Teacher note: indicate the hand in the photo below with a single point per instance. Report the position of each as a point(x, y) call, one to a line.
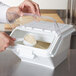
point(27, 6)
point(5, 41)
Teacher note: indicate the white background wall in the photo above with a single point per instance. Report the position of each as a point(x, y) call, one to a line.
point(44, 4)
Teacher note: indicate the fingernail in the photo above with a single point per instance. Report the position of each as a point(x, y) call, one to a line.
point(21, 14)
point(39, 14)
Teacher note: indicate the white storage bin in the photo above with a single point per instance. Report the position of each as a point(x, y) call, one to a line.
point(56, 35)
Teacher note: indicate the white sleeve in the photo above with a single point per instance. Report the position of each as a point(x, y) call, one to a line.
point(3, 10)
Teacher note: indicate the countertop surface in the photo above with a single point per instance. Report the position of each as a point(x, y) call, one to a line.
point(11, 65)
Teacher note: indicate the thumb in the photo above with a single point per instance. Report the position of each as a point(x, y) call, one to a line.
point(20, 12)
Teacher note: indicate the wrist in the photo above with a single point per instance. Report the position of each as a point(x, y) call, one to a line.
point(12, 14)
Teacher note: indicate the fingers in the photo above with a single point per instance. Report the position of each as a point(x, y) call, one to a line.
point(5, 41)
point(8, 39)
point(8, 43)
point(11, 41)
point(4, 48)
point(6, 35)
point(37, 10)
point(30, 7)
point(14, 39)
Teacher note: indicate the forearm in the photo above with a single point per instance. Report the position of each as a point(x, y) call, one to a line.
point(8, 14)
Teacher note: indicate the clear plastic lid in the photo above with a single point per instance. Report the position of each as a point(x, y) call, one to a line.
point(44, 25)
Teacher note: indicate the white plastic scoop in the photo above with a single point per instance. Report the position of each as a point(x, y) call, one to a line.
point(28, 40)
